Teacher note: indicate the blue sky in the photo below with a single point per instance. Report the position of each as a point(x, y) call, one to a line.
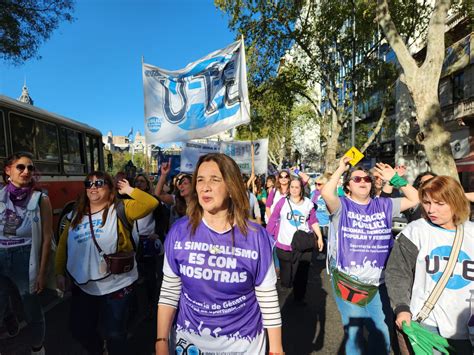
point(90, 69)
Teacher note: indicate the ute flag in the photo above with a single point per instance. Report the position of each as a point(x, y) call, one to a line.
point(207, 97)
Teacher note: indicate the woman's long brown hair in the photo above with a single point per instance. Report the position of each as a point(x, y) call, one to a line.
point(82, 204)
point(238, 210)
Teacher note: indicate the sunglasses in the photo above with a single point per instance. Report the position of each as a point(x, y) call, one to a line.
point(184, 177)
point(98, 183)
point(284, 176)
point(358, 179)
point(319, 184)
point(22, 167)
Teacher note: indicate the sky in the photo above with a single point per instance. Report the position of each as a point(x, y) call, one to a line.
point(90, 69)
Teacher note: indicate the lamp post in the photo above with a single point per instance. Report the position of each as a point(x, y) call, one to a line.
point(354, 88)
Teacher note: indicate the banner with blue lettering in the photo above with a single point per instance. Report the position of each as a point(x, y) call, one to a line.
point(207, 97)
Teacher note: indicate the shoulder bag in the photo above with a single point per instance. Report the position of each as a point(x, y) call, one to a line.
point(302, 241)
point(117, 263)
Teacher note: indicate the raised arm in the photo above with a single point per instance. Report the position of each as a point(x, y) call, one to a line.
point(411, 194)
point(329, 191)
point(163, 196)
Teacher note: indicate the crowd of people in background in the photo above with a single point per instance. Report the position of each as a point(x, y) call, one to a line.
point(214, 248)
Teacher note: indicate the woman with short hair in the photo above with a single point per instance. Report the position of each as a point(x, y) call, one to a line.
point(419, 257)
point(358, 249)
point(25, 241)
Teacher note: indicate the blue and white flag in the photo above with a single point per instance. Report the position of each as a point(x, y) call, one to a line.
point(207, 97)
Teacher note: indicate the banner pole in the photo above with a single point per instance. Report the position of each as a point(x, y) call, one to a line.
point(252, 151)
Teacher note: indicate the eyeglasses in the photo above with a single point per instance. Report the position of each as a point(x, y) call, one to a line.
point(22, 167)
point(98, 183)
point(358, 179)
point(283, 176)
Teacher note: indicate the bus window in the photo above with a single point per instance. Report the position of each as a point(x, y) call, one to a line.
point(96, 154)
point(89, 153)
point(72, 149)
point(92, 149)
point(47, 142)
point(3, 140)
point(22, 130)
point(47, 149)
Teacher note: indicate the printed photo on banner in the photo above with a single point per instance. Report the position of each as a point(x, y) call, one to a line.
point(207, 97)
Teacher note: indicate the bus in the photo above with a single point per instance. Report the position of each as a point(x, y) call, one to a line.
point(64, 151)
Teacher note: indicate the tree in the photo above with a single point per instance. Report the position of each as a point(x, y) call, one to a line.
point(273, 116)
point(422, 81)
point(320, 38)
point(26, 24)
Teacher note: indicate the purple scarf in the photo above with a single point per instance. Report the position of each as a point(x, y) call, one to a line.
point(19, 195)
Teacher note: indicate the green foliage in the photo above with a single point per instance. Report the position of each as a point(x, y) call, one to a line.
point(294, 46)
point(121, 159)
point(26, 24)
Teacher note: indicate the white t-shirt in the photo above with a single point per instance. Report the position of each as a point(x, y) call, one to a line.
point(452, 311)
point(84, 262)
point(290, 221)
point(15, 219)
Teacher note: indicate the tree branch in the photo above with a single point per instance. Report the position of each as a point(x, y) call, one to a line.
point(376, 131)
point(435, 40)
point(394, 39)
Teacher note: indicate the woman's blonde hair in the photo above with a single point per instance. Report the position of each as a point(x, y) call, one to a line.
point(447, 190)
point(239, 206)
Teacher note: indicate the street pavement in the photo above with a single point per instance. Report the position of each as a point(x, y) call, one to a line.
point(313, 327)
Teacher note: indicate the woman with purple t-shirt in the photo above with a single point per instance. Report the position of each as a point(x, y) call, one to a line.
point(218, 272)
point(358, 248)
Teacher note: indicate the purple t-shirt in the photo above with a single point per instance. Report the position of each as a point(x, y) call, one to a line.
point(364, 237)
point(218, 309)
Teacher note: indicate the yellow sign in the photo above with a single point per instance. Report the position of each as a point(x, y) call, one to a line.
point(355, 155)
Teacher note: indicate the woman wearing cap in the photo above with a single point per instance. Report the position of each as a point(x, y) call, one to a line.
point(99, 227)
point(219, 280)
point(25, 241)
point(419, 257)
point(358, 249)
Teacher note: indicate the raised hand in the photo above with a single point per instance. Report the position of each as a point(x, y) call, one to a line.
point(385, 170)
point(166, 167)
point(123, 187)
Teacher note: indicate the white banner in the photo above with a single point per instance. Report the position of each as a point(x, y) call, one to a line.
point(240, 152)
point(207, 97)
point(191, 153)
point(460, 143)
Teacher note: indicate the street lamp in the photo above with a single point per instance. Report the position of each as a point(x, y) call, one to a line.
point(354, 88)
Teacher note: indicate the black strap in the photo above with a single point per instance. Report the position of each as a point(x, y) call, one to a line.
point(101, 252)
point(120, 210)
point(292, 213)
